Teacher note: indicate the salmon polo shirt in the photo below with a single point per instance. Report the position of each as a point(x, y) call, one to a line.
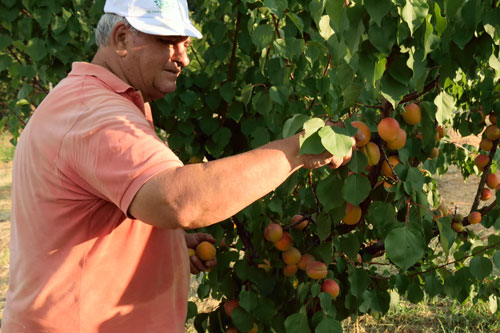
point(78, 263)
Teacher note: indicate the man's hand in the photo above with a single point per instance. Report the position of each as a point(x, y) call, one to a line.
point(192, 241)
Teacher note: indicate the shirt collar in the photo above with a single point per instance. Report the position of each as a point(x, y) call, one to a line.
point(103, 74)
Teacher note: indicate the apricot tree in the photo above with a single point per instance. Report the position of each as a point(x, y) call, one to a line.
point(397, 73)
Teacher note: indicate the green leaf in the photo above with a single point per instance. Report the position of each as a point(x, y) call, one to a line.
point(393, 90)
point(359, 281)
point(329, 325)
point(480, 267)
point(356, 189)
point(404, 247)
point(328, 192)
point(446, 234)
point(414, 13)
point(350, 245)
point(496, 258)
point(383, 37)
point(352, 93)
point(334, 9)
point(246, 93)
point(297, 323)
point(494, 63)
point(192, 310)
point(316, 9)
point(262, 36)
point(5, 41)
point(296, 20)
point(325, 30)
point(294, 124)
point(445, 106)
point(378, 9)
point(441, 22)
point(323, 226)
point(36, 49)
point(311, 145)
point(227, 92)
point(383, 217)
point(276, 7)
point(451, 7)
point(358, 162)
point(242, 319)
point(336, 140)
point(248, 300)
point(415, 293)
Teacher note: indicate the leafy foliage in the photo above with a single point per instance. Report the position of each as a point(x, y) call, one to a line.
point(268, 69)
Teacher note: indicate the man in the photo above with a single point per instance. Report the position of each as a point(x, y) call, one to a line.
point(100, 203)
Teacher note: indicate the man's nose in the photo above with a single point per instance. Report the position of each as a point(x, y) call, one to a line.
point(180, 55)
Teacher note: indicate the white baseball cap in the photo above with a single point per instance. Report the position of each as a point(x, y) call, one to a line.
point(155, 17)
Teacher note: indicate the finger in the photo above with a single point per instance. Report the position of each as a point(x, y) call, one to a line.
point(211, 263)
point(193, 269)
point(198, 263)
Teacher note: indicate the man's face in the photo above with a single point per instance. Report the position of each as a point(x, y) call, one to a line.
point(153, 63)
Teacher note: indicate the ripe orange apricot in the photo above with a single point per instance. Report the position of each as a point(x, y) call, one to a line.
point(486, 194)
point(297, 218)
point(474, 217)
point(386, 170)
point(230, 305)
point(485, 144)
point(363, 134)
point(331, 286)
point(205, 251)
point(492, 180)
point(291, 256)
point(399, 142)
point(492, 132)
point(305, 260)
point(273, 232)
point(254, 329)
point(412, 114)
point(457, 226)
point(191, 252)
point(434, 153)
point(439, 132)
point(492, 117)
point(316, 270)
point(284, 243)
point(388, 129)
point(290, 270)
point(352, 214)
point(372, 152)
point(481, 160)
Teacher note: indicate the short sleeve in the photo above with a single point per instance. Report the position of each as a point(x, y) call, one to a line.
point(112, 153)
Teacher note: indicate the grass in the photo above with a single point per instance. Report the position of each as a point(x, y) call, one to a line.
point(431, 315)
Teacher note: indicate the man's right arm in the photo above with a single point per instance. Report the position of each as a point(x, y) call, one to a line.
point(198, 195)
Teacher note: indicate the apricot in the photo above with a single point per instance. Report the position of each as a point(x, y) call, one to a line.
point(284, 243)
point(205, 251)
point(363, 135)
point(273, 232)
point(305, 260)
point(232, 329)
point(316, 270)
point(485, 144)
point(439, 132)
point(457, 226)
point(352, 214)
point(399, 142)
point(297, 218)
point(254, 329)
point(195, 159)
point(388, 129)
point(492, 132)
point(191, 252)
point(386, 170)
point(331, 286)
point(486, 194)
point(412, 114)
point(474, 217)
point(493, 118)
point(434, 153)
point(372, 152)
point(492, 180)
point(291, 256)
point(481, 161)
point(290, 270)
point(230, 305)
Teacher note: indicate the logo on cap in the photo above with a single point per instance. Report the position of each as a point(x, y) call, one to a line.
point(164, 4)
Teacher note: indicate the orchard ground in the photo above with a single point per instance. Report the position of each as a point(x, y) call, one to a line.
point(432, 315)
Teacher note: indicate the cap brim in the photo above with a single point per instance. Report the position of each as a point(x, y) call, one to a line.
point(153, 26)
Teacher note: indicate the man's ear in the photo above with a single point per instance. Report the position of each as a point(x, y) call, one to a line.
point(119, 38)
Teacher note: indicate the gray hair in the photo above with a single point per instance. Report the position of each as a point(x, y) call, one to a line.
point(105, 26)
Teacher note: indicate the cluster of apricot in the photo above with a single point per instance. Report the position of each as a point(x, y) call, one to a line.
point(490, 134)
point(294, 259)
